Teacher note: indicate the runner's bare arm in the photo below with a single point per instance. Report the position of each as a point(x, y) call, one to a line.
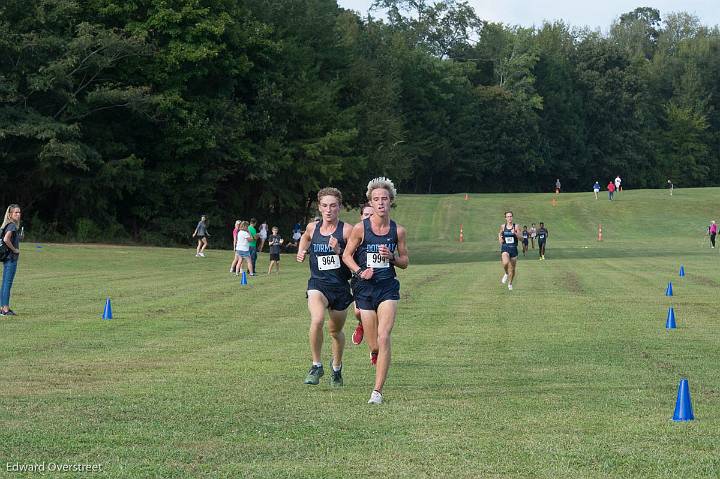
point(305, 240)
point(354, 240)
point(347, 231)
point(402, 260)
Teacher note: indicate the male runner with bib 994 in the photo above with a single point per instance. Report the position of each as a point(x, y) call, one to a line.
point(328, 286)
point(508, 237)
point(376, 246)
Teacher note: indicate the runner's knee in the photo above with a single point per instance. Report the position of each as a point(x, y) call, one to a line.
point(383, 340)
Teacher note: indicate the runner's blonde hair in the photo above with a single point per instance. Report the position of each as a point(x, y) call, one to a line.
point(381, 182)
point(8, 218)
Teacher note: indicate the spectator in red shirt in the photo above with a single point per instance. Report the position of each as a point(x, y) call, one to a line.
point(611, 190)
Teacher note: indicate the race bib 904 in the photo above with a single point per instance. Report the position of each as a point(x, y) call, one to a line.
point(375, 260)
point(330, 261)
point(509, 240)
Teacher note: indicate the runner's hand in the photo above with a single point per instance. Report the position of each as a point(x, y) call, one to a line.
point(333, 243)
point(300, 256)
point(367, 274)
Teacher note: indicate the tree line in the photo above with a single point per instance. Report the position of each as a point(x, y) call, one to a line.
point(127, 120)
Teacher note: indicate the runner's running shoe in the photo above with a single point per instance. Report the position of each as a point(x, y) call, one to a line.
point(336, 379)
point(357, 335)
point(314, 375)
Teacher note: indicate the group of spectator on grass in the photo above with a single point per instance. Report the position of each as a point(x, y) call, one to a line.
point(248, 241)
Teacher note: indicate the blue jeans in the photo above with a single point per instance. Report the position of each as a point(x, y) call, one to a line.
point(253, 255)
point(9, 268)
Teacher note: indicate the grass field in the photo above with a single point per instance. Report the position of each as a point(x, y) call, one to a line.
point(572, 374)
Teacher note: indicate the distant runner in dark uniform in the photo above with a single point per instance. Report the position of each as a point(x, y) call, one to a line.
point(379, 244)
point(542, 239)
point(525, 236)
point(328, 287)
point(508, 237)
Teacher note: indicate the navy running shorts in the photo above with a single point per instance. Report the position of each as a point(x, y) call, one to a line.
point(338, 297)
point(369, 295)
point(511, 250)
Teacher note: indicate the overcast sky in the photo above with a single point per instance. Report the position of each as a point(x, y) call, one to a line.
point(597, 13)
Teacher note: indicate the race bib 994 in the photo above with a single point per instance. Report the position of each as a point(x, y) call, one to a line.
point(375, 260)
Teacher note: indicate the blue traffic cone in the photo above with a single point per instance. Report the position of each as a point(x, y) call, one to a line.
point(243, 278)
point(682, 271)
point(668, 291)
point(37, 246)
point(670, 323)
point(107, 313)
point(683, 405)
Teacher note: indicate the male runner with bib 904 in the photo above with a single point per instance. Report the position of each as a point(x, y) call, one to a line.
point(328, 286)
point(375, 247)
point(542, 239)
point(508, 237)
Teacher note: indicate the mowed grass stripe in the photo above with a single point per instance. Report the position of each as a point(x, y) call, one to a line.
point(570, 375)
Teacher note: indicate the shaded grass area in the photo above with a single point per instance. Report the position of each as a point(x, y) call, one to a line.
point(570, 375)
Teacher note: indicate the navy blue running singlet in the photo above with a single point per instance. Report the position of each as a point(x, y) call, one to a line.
point(325, 265)
point(509, 238)
point(368, 253)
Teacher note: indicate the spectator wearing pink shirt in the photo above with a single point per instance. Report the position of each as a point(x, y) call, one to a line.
point(235, 257)
point(712, 231)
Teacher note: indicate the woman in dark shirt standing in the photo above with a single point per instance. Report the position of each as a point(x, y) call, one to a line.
point(11, 237)
point(201, 233)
